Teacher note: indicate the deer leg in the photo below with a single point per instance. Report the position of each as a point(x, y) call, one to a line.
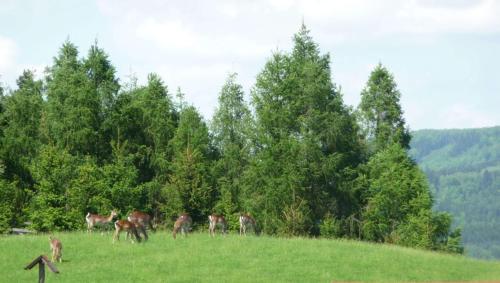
point(184, 231)
point(136, 234)
point(116, 236)
point(143, 231)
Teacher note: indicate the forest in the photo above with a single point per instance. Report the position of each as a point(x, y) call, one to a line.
point(295, 156)
point(464, 174)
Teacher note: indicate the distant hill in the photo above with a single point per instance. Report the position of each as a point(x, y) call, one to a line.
point(463, 167)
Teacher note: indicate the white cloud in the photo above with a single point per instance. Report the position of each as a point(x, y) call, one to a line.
point(8, 52)
point(194, 44)
point(179, 37)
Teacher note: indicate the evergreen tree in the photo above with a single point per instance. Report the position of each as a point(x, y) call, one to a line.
point(160, 119)
point(121, 189)
point(399, 204)
point(231, 127)
point(54, 171)
point(73, 106)
point(190, 187)
point(305, 139)
point(21, 138)
point(104, 84)
point(7, 203)
point(145, 117)
point(380, 112)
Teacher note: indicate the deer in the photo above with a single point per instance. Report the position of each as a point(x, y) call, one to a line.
point(142, 218)
point(96, 219)
point(214, 220)
point(125, 225)
point(56, 247)
point(247, 221)
point(183, 223)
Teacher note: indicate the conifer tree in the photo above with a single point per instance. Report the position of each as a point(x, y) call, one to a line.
point(399, 205)
point(103, 82)
point(21, 139)
point(73, 106)
point(231, 128)
point(380, 112)
point(190, 187)
point(306, 138)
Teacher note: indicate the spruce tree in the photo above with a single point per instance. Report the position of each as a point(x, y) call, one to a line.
point(231, 128)
point(73, 106)
point(103, 82)
point(190, 187)
point(21, 121)
point(306, 139)
point(380, 112)
point(399, 205)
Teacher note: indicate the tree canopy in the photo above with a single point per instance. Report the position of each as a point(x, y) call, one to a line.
point(296, 157)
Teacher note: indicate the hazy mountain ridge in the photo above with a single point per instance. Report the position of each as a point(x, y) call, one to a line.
point(463, 167)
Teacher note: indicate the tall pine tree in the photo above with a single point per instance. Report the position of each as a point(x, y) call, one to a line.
point(21, 139)
point(306, 139)
point(380, 112)
point(73, 105)
point(231, 128)
point(190, 186)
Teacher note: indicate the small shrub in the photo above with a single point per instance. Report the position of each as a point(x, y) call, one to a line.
point(330, 227)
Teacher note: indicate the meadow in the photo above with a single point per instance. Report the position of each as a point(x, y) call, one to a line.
point(233, 258)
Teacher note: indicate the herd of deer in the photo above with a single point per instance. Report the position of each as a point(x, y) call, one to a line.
point(137, 222)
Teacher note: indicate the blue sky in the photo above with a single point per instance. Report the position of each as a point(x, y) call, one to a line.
point(445, 55)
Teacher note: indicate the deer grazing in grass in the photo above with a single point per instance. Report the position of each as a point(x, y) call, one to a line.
point(98, 220)
point(141, 220)
point(129, 227)
point(214, 220)
point(56, 247)
point(247, 221)
point(183, 223)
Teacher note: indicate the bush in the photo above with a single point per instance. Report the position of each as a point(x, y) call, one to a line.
point(330, 227)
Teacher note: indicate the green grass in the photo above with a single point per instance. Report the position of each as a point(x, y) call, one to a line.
point(199, 258)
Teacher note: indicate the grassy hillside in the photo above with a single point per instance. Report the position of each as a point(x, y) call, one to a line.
point(92, 258)
point(463, 167)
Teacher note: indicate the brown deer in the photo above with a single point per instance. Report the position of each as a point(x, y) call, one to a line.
point(214, 220)
point(141, 229)
point(56, 247)
point(142, 218)
point(247, 221)
point(129, 227)
point(183, 223)
point(96, 219)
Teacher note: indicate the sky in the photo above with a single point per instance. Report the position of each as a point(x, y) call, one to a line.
point(444, 55)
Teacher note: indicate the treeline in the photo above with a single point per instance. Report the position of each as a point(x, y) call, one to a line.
point(297, 158)
point(463, 167)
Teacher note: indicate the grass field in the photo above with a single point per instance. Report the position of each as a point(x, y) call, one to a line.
point(199, 258)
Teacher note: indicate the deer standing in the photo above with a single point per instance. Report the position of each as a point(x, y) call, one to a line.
point(56, 247)
point(183, 223)
point(214, 220)
point(96, 219)
point(246, 221)
point(129, 227)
